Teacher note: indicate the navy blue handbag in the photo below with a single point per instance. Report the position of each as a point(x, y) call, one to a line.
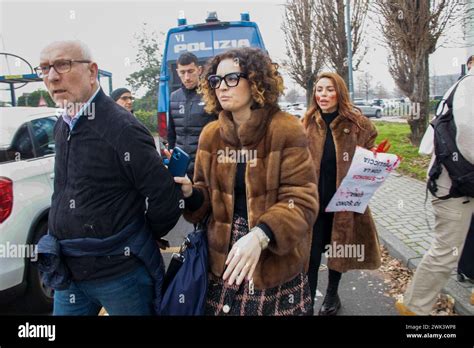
point(185, 282)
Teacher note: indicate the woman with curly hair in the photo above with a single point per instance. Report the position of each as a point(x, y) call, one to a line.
point(255, 178)
point(334, 128)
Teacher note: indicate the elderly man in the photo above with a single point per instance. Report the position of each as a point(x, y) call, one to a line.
point(112, 196)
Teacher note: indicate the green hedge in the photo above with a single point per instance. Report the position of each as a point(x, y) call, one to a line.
point(148, 118)
point(433, 105)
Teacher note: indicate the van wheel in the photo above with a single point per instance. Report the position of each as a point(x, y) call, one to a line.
point(38, 297)
point(378, 114)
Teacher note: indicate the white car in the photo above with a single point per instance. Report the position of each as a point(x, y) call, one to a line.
point(369, 110)
point(26, 187)
point(284, 105)
point(297, 109)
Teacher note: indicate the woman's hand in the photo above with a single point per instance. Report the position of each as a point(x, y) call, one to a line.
point(243, 258)
point(186, 185)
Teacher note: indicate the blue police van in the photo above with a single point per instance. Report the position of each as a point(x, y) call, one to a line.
point(205, 40)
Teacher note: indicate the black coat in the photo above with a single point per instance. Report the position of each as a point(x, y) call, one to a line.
point(187, 118)
point(104, 173)
point(105, 169)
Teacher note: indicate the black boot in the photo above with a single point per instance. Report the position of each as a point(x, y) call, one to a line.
point(331, 304)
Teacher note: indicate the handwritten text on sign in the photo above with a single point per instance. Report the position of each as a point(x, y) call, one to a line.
point(366, 173)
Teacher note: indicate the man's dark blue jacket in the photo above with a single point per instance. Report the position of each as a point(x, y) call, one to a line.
point(106, 169)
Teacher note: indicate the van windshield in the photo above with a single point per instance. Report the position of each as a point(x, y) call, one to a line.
point(206, 43)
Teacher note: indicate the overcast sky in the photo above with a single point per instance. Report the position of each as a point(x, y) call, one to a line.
point(108, 27)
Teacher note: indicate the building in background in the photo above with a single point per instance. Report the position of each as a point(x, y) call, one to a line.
point(439, 84)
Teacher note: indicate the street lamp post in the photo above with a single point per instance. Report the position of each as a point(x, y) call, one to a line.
point(349, 48)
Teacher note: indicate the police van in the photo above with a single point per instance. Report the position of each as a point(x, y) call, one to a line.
point(205, 40)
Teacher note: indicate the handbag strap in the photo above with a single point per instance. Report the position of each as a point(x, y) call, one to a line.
point(203, 223)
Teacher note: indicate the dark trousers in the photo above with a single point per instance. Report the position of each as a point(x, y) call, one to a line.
point(321, 237)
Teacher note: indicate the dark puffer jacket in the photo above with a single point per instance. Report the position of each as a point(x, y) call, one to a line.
point(186, 121)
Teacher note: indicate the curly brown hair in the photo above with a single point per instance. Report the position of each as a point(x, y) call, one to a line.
point(266, 83)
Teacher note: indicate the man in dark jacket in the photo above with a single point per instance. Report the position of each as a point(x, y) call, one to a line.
point(187, 117)
point(108, 177)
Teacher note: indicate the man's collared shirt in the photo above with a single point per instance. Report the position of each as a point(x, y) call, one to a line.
point(72, 121)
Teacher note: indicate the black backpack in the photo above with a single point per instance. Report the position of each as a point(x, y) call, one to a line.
point(447, 153)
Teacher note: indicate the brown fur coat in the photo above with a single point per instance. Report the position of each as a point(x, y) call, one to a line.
point(281, 191)
point(349, 228)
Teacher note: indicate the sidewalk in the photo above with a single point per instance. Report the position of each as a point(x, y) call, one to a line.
point(402, 223)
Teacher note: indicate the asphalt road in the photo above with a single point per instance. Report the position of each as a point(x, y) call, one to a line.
point(361, 292)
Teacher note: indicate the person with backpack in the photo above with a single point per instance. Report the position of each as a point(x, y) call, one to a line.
point(451, 183)
point(469, 62)
point(466, 261)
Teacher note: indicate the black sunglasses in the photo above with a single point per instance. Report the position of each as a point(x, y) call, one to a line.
point(231, 79)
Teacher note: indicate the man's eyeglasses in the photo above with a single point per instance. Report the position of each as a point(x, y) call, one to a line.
point(231, 79)
point(126, 97)
point(61, 66)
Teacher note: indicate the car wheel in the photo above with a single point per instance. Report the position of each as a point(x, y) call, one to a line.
point(38, 296)
point(378, 114)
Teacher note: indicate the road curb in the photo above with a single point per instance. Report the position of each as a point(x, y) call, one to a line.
point(461, 292)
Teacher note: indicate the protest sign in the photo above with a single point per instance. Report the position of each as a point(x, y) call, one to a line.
point(366, 173)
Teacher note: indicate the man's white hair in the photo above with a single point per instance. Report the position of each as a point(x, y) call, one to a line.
point(86, 53)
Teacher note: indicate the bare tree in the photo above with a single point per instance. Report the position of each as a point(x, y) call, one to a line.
point(292, 96)
point(380, 90)
point(331, 26)
point(305, 58)
point(365, 85)
point(411, 29)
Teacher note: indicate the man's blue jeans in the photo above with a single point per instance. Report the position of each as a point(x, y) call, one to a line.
point(129, 294)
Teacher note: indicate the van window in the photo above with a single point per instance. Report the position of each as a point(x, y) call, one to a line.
point(175, 81)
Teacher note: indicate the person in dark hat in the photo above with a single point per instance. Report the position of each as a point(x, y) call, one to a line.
point(123, 97)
